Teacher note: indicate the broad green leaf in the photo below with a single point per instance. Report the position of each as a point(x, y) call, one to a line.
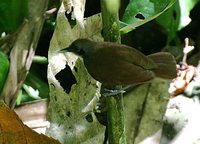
point(4, 68)
point(12, 14)
point(31, 91)
point(176, 17)
point(185, 8)
point(139, 12)
point(35, 80)
point(170, 21)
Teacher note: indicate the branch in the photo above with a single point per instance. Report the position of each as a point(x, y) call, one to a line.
point(115, 113)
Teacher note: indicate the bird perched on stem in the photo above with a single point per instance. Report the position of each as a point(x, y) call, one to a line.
point(117, 64)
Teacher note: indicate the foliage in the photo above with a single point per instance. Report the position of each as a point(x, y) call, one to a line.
point(12, 14)
point(139, 12)
point(177, 17)
point(172, 17)
point(4, 67)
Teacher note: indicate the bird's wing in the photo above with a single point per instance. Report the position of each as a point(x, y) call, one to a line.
point(119, 65)
point(125, 53)
point(116, 71)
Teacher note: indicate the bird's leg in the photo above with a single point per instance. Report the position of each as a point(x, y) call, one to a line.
point(110, 91)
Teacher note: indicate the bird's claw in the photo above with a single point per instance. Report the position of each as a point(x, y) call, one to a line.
point(109, 92)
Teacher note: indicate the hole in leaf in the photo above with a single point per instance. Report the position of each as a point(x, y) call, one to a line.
point(102, 118)
point(140, 16)
point(75, 69)
point(89, 118)
point(66, 78)
point(69, 17)
point(68, 113)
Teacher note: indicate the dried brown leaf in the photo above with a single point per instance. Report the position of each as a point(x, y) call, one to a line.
point(13, 131)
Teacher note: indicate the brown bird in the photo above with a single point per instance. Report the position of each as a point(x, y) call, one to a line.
point(117, 64)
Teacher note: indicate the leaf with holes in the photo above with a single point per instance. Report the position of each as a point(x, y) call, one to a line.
point(139, 12)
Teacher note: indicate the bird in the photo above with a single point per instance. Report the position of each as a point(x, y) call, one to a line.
point(118, 64)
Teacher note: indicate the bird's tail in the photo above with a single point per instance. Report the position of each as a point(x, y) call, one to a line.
point(166, 65)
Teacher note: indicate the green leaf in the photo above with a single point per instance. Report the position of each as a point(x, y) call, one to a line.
point(31, 91)
point(185, 8)
point(12, 14)
point(4, 68)
point(35, 80)
point(176, 17)
point(139, 12)
point(170, 21)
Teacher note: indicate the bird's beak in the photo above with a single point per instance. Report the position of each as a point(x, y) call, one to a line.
point(68, 49)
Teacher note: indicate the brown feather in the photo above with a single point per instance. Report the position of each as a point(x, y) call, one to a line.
point(116, 64)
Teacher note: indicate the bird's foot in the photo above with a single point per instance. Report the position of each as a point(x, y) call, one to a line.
point(109, 92)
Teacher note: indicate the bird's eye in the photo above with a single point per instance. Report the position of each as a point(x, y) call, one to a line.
point(81, 52)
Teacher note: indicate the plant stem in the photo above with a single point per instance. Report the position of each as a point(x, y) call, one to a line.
point(115, 112)
point(40, 59)
point(110, 24)
point(115, 118)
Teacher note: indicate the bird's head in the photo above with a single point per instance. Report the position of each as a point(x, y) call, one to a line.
point(80, 47)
